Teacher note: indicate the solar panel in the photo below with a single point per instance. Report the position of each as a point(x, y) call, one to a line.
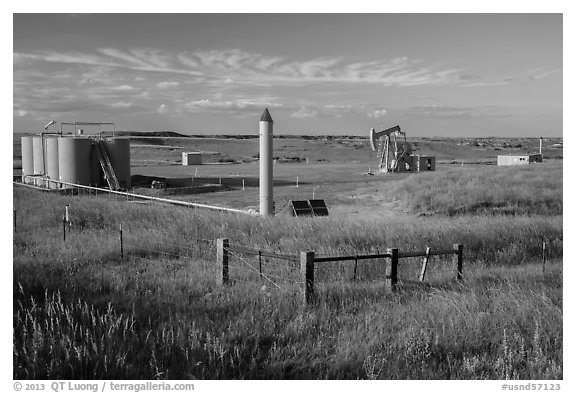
point(301, 208)
point(318, 207)
point(313, 207)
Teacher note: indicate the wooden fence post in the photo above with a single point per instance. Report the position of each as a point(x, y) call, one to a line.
point(15, 227)
point(543, 255)
point(458, 260)
point(222, 259)
point(260, 263)
point(307, 274)
point(425, 264)
point(355, 267)
point(64, 227)
point(391, 280)
point(121, 243)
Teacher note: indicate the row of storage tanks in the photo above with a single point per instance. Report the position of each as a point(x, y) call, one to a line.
point(72, 160)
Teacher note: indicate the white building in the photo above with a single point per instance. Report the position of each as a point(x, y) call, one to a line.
point(519, 160)
point(192, 158)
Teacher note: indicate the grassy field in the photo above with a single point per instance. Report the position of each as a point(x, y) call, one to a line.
point(167, 152)
point(82, 312)
point(529, 190)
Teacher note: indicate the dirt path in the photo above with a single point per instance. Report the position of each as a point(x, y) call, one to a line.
point(368, 204)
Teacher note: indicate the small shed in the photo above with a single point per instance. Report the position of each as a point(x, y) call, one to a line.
point(192, 158)
point(424, 163)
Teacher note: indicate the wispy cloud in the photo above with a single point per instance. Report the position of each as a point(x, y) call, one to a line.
point(487, 84)
point(237, 106)
point(167, 84)
point(454, 112)
point(121, 104)
point(231, 82)
point(543, 73)
point(305, 112)
point(245, 106)
point(245, 67)
point(338, 111)
point(378, 113)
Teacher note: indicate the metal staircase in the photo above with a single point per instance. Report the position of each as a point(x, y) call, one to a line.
point(106, 165)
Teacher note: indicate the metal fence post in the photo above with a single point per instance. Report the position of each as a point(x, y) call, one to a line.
point(307, 274)
point(425, 264)
point(458, 260)
point(391, 280)
point(222, 259)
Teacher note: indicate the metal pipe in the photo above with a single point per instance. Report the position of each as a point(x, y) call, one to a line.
point(164, 200)
point(88, 123)
point(43, 154)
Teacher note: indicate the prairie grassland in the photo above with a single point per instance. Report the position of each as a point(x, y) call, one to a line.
point(138, 320)
point(531, 190)
point(82, 312)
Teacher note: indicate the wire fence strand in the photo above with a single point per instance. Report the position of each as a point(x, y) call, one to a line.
point(176, 245)
point(253, 268)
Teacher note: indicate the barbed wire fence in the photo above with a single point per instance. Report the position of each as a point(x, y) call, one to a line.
point(265, 268)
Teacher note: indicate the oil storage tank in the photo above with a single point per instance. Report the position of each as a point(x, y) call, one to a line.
point(119, 152)
point(52, 157)
point(38, 151)
point(27, 158)
point(75, 161)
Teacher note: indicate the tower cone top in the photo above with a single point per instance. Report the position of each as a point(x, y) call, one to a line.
point(266, 116)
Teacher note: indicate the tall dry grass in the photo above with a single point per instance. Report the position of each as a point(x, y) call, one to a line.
point(504, 323)
point(498, 239)
point(81, 311)
point(523, 190)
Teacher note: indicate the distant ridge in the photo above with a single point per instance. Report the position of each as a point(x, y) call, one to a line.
point(160, 134)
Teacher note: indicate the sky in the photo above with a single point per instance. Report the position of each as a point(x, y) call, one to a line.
point(433, 74)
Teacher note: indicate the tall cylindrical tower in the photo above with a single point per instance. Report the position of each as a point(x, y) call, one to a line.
point(266, 170)
point(38, 150)
point(51, 159)
point(540, 151)
point(119, 152)
point(75, 161)
point(27, 158)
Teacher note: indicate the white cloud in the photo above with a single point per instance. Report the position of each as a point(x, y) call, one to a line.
point(167, 84)
point(543, 73)
point(338, 111)
point(378, 113)
point(304, 112)
point(122, 104)
point(20, 113)
point(122, 88)
point(488, 83)
point(229, 105)
point(163, 109)
point(456, 112)
point(245, 67)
